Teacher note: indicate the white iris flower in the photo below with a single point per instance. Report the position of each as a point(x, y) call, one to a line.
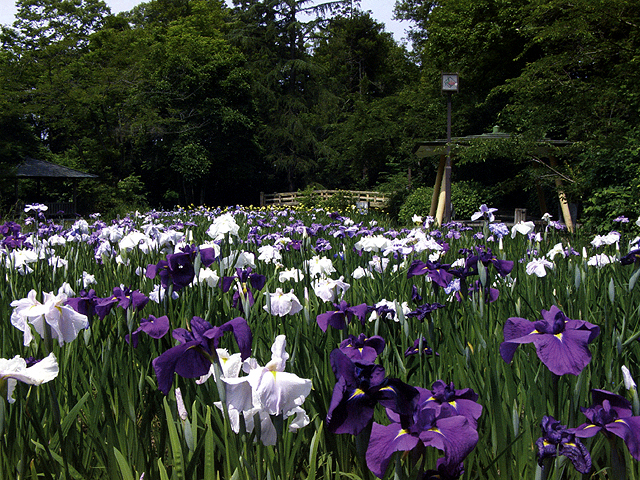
point(16, 369)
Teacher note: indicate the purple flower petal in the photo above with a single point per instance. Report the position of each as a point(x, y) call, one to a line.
point(561, 343)
point(454, 435)
point(155, 327)
point(166, 364)
point(241, 331)
point(384, 441)
point(628, 429)
point(335, 318)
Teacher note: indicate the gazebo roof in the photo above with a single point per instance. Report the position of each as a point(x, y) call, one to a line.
point(438, 147)
point(33, 168)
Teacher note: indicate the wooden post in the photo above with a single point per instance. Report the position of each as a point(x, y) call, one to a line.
point(442, 200)
point(262, 199)
point(566, 213)
point(437, 187)
point(520, 215)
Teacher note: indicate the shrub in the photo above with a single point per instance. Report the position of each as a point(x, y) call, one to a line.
point(608, 203)
point(465, 197)
point(128, 195)
point(340, 200)
point(417, 203)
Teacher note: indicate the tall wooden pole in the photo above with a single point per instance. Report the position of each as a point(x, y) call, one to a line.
point(435, 198)
point(447, 167)
point(562, 198)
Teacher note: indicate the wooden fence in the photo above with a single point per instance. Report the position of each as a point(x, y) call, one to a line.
point(64, 209)
point(372, 199)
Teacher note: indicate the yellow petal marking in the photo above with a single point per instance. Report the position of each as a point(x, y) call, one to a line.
point(357, 392)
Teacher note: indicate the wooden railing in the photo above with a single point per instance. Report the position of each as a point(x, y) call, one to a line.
point(69, 208)
point(372, 199)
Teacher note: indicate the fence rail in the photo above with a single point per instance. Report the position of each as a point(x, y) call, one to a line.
point(67, 209)
point(373, 199)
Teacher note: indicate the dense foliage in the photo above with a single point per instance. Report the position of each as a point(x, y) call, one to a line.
point(194, 101)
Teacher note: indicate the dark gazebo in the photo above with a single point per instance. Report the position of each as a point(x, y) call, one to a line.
point(39, 169)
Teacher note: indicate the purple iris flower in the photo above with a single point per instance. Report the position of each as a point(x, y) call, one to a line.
point(559, 440)
point(632, 257)
point(264, 224)
point(194, 355)
point(485, 212)
point(124, 298)
point(462, 273)
point(245, 278)
point(362, 349)
point(561, 343)
point(154, 327)
point(444, 471)
point(384, 311)
point(415, 349)
point(462, 402)
point(15, 241)
point(322, 245)
point(358, 389)
point(353, 400)
point(342, 315)
point(611, 414)
point(85, 304)
point(176, 270)
point(490, 294)
point(499, 229)
point(424, 427)
point(104, 306)
point(208, 256)
point(438, 273)
point(415, 295)
point(424, 311)
point(486, 256)
point(293, 245)
point(10, 228)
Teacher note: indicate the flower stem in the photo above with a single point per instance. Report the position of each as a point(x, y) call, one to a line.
point(618, 466)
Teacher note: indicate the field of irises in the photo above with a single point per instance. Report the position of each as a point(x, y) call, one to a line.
point(246, 343)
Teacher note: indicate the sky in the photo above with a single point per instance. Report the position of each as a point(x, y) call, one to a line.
point(381, 10)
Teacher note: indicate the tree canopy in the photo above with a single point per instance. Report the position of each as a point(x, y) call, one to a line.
point(194, 101)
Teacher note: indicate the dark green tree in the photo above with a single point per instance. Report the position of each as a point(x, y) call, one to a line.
point(195, 108)
point(276, 43)
point(582, 84)
point(480, 40)
point(360, 115)
point(137, 88)
point(51, 83)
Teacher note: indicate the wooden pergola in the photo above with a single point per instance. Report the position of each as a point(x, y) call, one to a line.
point(438, 148)
point(41, 169)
